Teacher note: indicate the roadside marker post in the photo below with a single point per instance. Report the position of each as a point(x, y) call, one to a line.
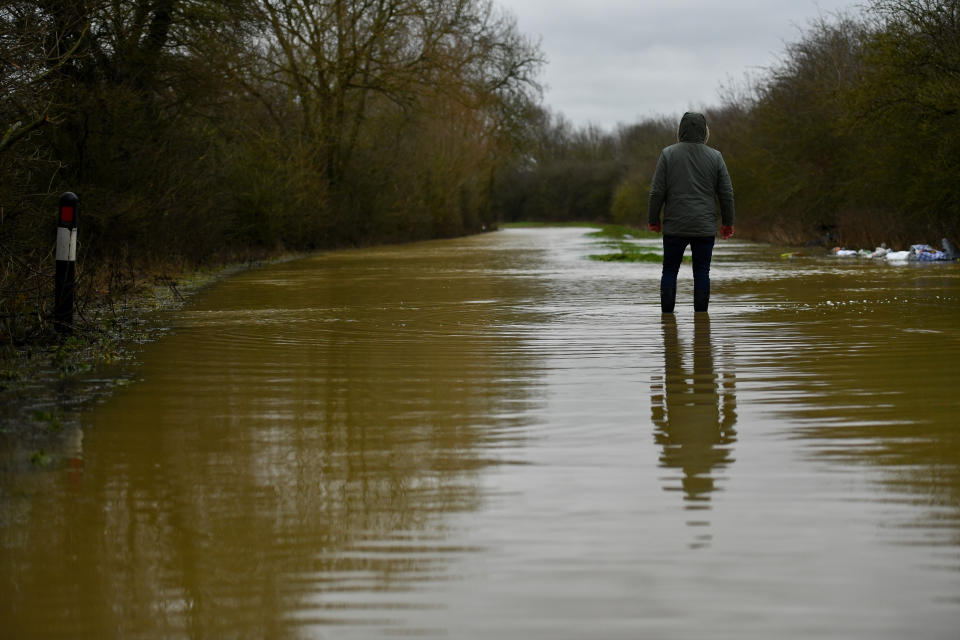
point(64, 284)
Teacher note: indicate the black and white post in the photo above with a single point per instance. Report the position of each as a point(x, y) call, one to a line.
point(64, 286)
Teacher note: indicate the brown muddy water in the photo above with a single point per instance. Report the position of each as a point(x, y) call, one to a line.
point(497, 437)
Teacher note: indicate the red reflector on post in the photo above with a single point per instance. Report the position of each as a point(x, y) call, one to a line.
point(66, 214)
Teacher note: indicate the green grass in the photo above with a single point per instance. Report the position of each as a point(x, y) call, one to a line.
point(617, 240)
point(625, 256)
point(41, 458)
point(621, 232)
point(615, 237)
point(632, 253)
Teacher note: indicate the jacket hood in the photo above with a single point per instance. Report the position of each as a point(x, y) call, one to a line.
point(693, 128)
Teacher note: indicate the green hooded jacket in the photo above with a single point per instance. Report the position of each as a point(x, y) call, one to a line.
point(691, 178)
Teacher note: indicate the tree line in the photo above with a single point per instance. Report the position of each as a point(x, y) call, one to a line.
point(204, 130)
point(199, 130)
point(852, 138)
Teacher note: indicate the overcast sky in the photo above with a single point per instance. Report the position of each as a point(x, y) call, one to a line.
point(618, 61)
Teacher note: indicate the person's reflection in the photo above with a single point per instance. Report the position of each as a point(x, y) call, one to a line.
point(694, 412)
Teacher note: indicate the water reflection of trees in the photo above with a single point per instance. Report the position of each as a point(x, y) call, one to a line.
point(872, 382)
point(694, 410)
point(272, 466)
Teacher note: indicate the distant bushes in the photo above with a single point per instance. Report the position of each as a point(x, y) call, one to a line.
point(856, 135)
point(585, 175)
point(854, 138)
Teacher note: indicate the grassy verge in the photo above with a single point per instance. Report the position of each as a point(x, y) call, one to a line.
point(628, 254)
point(618, 239)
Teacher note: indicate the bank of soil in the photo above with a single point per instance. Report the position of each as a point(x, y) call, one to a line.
point(43, 388)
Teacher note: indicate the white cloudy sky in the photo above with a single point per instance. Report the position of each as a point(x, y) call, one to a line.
point(617, 61)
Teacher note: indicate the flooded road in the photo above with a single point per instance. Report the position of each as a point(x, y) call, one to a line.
point(497, 437)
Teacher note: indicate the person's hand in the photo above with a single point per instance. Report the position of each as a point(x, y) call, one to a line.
point(655, 227)
point(726, 232)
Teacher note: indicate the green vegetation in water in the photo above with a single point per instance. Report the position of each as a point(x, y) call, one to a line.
point(632, 253)
point(49, 419)
point(628, 256)
point(618, 238)
point(40, 458)
point(621, 232)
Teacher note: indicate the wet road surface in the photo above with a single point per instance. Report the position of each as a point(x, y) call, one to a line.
point(497, 437)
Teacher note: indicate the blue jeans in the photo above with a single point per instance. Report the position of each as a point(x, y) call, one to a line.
point(673, 248)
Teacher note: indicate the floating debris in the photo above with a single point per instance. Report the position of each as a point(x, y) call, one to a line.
point(917, 253)
point(897, 256)
point(845, 253)
point(926, 253)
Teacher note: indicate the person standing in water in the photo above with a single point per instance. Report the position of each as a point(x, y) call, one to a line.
point(690, 179)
